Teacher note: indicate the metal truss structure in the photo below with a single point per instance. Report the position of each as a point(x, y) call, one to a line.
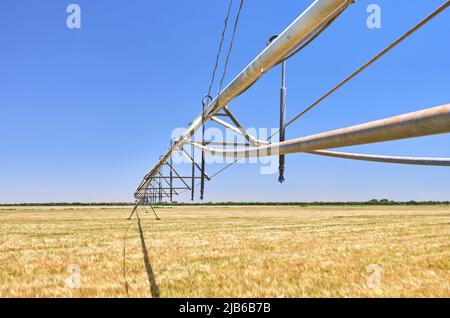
point(158, 184)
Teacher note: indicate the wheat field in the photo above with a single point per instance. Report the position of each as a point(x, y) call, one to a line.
point(258, 251)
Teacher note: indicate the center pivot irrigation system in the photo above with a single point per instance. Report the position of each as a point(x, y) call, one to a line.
point(157, 186)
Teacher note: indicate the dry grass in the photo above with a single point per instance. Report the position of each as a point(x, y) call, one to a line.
point(226, 251)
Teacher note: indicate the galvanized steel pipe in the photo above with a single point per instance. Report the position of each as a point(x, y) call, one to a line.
point(420, 161)
point(421, 123)
point(308, 23)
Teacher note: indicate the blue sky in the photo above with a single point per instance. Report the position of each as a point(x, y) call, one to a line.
point(84, 113)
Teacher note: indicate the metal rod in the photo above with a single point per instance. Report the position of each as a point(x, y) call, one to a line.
point(227, 125)
point(202, 179)
point(186, 154)
point(160, 176)
point(163, 195)
point(193, 172)
point(166, 194)
point(160, 190)
point(159, 185)
point(421, 123)
point(373, 60)
point(171, 174)
point(205, 101)
point(154, 212)
point(282, 120)
point(237, 129)
point(239, 126)
point(176, 173)
point(420, 161)
point(174, 177)
point(309, 22)
point(134, 208)
point(218, 143)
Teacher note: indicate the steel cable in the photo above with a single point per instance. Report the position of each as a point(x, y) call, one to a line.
point(354, 74)
point(227, 17)
point(370, 62)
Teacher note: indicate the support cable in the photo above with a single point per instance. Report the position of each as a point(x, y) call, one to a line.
point(300, 48)
point(208, 97)
point(420, 161)
point(220, 47)
point(365, 66)
point(370, 62)
point(362, 68)
point(230, 48)
point(288, 43)
point(193, 173)
point(205, 102)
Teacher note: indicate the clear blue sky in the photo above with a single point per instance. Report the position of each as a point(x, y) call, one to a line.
point(84, 112)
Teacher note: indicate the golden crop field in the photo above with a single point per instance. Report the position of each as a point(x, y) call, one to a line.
point(225, 252)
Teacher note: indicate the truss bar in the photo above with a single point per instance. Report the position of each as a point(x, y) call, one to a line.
point(373, 60)
point(282, 136)
point(239, 126)
point(227, 125)
point(154, 212)
point(193, 172)
point(239, 129)
point(154, 194)
point(165, 179)
point(171, 174)
point(177, 188)
point(156, 190)
point(420, 161)
point(319, 13)
point(421, 123)
point(217, 143)
point(184, 152)
point(134, 208)
point(139, 202)
point(174, 177)
point(176, 173)
point(163, 195)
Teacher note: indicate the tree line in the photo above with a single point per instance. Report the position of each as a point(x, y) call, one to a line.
point(313, 203)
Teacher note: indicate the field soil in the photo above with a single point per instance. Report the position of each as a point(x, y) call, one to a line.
point(225, 251)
